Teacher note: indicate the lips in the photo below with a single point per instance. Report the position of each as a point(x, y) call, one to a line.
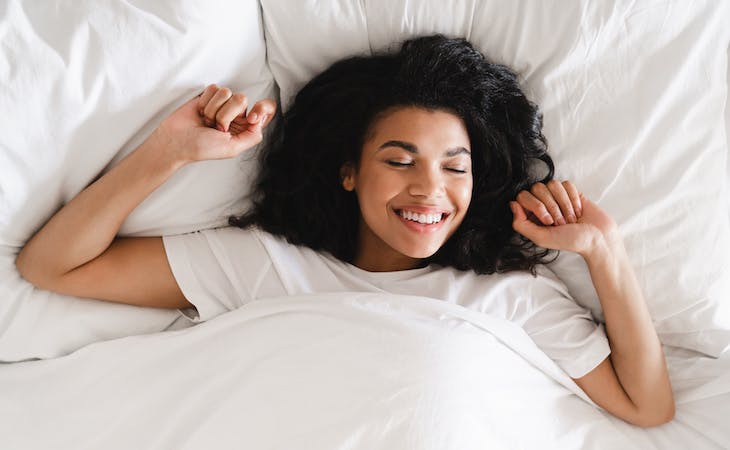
point(419, 227)
point(422, 210)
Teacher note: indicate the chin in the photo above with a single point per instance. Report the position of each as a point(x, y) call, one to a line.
point(420, 253)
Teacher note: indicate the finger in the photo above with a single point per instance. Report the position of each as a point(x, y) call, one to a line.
point(263, 111)
point(563, 200)
point(574, 197)
point(247, 137)
point(249, 134)
point(232, 108)
point(205, 97)
point(535, 206)
point(522, 225)
point(214, 104)
point(260, 114)
point(543, 194)
point(240, 124)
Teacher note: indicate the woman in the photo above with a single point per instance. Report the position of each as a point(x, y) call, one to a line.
point(409, 172)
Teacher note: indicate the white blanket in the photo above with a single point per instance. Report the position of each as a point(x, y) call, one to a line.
point(332, 371)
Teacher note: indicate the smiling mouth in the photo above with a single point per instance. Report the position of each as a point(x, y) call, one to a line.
point(420, 218)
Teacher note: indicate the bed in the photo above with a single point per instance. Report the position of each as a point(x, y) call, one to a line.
point(634, 96)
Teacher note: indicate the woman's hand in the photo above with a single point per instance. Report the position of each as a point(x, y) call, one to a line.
point(561, 218)
point(214, 125)
point(633, 382)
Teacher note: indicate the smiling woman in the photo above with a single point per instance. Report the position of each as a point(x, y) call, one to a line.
point(442, 108)
point(407, 173)
point(415, 168)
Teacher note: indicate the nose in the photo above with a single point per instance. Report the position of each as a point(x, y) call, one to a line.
point(427, 182)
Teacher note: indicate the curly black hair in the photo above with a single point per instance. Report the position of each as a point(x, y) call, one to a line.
point(299, 195)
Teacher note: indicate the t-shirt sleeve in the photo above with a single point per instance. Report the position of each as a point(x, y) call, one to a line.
point(562, 329)
point(221, 269)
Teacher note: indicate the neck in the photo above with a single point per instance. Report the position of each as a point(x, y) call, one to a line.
point(386, 266)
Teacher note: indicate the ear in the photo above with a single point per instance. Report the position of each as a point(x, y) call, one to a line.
point(347, 175)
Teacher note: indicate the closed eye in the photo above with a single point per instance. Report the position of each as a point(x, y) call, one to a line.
point(402, 164)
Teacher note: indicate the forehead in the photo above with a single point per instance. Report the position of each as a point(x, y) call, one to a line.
point(424, 127)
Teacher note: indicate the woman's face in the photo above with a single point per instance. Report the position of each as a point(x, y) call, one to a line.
point(413, 185)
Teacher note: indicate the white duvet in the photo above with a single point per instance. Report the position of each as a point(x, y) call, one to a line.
point(336, 371)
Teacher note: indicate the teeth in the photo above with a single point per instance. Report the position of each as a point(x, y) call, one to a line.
point(421, 218)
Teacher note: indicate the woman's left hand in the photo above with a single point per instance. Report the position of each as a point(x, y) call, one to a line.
point(561, 218)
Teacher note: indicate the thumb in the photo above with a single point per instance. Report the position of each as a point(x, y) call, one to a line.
point(249, 137)
point(524, 226)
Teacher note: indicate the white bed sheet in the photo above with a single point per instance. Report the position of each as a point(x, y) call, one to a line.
point(339, 371)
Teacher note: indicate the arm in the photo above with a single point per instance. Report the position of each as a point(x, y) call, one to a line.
point(77, 252)
point(632, 383)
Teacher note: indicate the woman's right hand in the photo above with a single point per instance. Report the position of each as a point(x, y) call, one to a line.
point(214, 125)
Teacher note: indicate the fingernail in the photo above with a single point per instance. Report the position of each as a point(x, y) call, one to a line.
point(579, 212)
point(571, 218)
point(548, 218)
point(253, 117)
point(264, 118)
point(561, 220)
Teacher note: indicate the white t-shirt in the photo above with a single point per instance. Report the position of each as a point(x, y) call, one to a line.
point(222, 269)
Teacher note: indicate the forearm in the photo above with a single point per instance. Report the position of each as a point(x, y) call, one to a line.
point(85, 227)
point(636, 352)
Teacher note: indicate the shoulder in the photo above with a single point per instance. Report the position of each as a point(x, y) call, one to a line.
point(275, 243)
point(515, 295)
point(227, 234)
point(547, 279)
point(222, 243)
point(544, 279)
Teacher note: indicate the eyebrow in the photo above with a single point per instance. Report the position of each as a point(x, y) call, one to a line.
point(409, 147)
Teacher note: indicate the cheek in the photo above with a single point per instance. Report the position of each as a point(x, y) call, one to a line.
point(462, 195)
point(378, 185)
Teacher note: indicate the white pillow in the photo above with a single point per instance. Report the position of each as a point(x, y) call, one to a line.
point(83, 84)
point(633, 97)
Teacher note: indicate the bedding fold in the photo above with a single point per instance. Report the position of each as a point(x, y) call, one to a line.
point(315, 370)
